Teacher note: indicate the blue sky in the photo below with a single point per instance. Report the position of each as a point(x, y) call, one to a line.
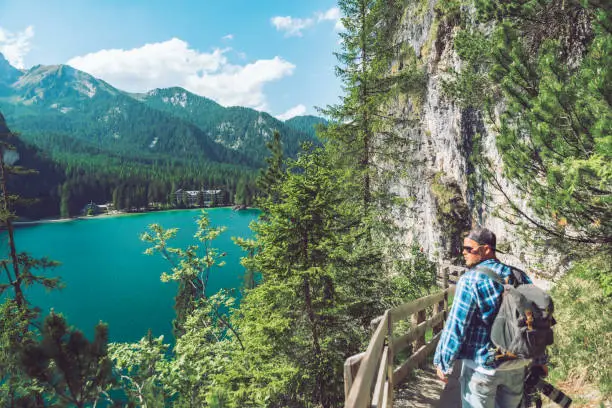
point(272, 55)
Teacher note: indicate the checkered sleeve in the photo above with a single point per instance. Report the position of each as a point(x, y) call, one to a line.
point(454, 332)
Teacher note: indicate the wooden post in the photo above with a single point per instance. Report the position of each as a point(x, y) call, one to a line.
point(445, 284)
point(390, 363)
point(438, 307)
point(417, 318)
point(441, 305)
point(351, 367)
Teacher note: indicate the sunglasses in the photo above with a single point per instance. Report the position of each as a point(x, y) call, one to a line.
point(469, 248)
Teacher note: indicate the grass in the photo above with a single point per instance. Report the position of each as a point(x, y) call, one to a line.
point(581, 357)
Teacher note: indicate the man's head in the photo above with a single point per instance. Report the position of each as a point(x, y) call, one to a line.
point(478, 246)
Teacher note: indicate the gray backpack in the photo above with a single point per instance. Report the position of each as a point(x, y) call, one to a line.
point(523, 325)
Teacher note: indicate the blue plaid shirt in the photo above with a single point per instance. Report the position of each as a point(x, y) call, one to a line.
point(467, 332)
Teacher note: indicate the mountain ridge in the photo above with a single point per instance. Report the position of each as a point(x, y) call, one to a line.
point(62, 99)
point(99, 143)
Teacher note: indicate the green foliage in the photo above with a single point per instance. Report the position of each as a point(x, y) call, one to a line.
point(416, 277)
point(452, 211)
point(596, 268)
point(16, 388)
point(553, 134)
point(306, 124)
point(555, 138)
point(202, 353)
point(361, 128)
point(71, 369)
point(191, 267)
point(583, 347)
point(270, 178)
point(248, 262)
point(471, 87)
point(207, 341)
point(317, 294)
point(141, 370)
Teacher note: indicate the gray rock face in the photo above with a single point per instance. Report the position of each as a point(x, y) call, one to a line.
point(442, 198)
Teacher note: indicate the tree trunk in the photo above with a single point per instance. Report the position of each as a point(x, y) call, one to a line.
point(19, 298)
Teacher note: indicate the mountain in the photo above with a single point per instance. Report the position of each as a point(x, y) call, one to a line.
point(102, 144)
point(8, 76)
point(49, 103)
point(52, 101)
point(306, 124)
point(241, 129)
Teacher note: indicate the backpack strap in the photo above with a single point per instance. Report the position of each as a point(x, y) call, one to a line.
point(490, 273)
point(517, 275)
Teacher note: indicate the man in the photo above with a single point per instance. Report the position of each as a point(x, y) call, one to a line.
point(467, 332)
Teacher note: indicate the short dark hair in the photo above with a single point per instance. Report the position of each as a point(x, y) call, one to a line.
point(483, 236)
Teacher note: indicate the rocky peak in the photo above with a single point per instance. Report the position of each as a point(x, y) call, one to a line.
point(8, 73)
point(59, 83)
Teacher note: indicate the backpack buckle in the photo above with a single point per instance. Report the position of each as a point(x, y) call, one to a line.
point(529, 321)
point(501, 356)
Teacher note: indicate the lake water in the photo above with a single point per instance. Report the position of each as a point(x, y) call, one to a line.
point(109, 279)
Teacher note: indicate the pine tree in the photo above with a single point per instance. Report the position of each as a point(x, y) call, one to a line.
point(554, 136)
point(270, 177)
point(315, 296)
point(71, 369)
point(361, 131)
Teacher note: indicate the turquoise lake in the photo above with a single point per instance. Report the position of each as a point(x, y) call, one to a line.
point(108, 278)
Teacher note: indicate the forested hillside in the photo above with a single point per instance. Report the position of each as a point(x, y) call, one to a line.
point(131, 149)
point(239, 129)
point(40, 186)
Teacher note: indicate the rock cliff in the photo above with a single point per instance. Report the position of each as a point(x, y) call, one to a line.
point(445, 193)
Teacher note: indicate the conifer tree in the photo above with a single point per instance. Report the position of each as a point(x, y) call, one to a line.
point(142, 370)
point(315, 297)
point(361, 131)
point(33, 370)
point(19, 267)
point(270, 177)
point(71, 369)
point(554, 135)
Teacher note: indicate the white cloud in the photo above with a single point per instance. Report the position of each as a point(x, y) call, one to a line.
point(332, 14)
point(291, 26)
point(174, 63)
point(294, 26)
point(15, 46)
point(228, 37)
point(295, 111)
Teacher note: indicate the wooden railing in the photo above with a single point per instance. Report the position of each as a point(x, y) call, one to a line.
point(370, 377)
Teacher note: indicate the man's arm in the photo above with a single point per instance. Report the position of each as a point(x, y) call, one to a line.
point(454, 332)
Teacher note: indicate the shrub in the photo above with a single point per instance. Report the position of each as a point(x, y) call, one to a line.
point(583, 334)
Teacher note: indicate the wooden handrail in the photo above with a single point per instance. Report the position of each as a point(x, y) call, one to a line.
point(403, 341)
point(405, 310)
point(369, 377)
point(359, 394)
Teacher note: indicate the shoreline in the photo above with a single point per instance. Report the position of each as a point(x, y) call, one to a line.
point(112, 214)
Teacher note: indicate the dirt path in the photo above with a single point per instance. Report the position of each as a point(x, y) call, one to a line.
point(425, 390)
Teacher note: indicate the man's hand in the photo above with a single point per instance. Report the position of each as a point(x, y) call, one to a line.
point(441, 375)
